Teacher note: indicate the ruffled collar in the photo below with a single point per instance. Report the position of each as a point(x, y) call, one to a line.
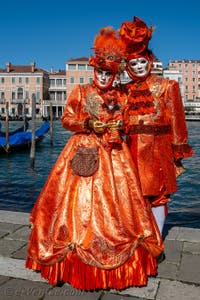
point(140, 98)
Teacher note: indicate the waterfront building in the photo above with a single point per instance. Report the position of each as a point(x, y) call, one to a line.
point(18, 84)
point(78, 71)
point(56, 94)
point(175, 75)
point(190, 70)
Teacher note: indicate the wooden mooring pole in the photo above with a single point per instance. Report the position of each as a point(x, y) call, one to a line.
point(51, 124)
point(7, 127)
point(25, 120)
point(32, 152)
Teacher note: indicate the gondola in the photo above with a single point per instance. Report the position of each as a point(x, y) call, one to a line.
point(21, 141)
point(20, 129)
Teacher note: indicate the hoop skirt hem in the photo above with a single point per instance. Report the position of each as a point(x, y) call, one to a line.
point(134, 272)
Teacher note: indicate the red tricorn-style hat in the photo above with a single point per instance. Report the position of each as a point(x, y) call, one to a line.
point(136, 35)
point(108, 49)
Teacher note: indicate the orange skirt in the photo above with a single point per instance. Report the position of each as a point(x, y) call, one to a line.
point(134, 272)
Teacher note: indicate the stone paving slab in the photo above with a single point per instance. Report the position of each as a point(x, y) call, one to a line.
point(14, 217)
point(178, 275)
point(8, 227)
point(173, 250)
point(21, 234)
point(146, 292)
point(16, 268)
point(174, 290)
point(7, 247)
point(20, 253)
point(184, 234)
point(18, 289)
point(190, 269)
point(193, 248)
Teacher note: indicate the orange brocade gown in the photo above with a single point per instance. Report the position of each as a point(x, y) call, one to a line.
point(93, 232)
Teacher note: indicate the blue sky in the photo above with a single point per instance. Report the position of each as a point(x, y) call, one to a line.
point(51, 32)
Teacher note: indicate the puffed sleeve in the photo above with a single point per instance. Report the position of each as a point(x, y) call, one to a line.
point(73, 118)
point(180, 146)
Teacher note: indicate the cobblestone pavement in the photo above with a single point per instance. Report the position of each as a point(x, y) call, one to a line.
point(178, 275)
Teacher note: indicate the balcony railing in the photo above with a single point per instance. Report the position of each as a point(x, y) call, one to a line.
point(54, 102)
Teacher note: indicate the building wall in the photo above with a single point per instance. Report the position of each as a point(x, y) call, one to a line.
point(17, 85)
point(78, 71)
point(190, 70)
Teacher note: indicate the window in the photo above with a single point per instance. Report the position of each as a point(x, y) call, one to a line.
point(13, 80)
point(27, 94)
point(64, 81)
point(186, 79)
point(13, 111)
point(13, 95)
point(72, 67)
point(59, 96)
point(27, 80)
point(81, 67)
point(193, 79)
point(2, 95)
point(90, 79)
point(81, 80)
point(38, 80)
point(71, 79)
point(52, 96)
point(20, 93)
point(58, 82)
point(26, 111)
point(3, 110)
point(89, 67)
point(37, 96)
point(198, 86)
point(2, 79)
point(20, 79)
point(186, 87)
point(52, 82)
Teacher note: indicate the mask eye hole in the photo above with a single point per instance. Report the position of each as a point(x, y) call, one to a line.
point(99, 71)
point(133, 63)
point(108, 73)
point(143, 61)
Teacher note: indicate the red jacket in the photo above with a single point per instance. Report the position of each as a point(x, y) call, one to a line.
point(157, 138)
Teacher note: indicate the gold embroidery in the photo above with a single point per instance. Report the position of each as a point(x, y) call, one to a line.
point(93, 104)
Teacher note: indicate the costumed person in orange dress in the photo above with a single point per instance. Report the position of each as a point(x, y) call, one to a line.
point(157, 136)
point(91, 226)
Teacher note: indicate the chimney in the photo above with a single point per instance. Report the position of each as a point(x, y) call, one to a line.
point(8, 65)
point(33, 67)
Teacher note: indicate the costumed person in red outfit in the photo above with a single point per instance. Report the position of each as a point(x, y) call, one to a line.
point(157, 134)
point(91, 227)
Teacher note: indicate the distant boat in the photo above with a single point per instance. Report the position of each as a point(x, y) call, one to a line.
point(20, 141)
point(20, 129)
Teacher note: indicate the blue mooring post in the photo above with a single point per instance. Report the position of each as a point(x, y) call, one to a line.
point(32, 152)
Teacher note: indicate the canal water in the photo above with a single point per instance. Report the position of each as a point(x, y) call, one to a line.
point(20, 184)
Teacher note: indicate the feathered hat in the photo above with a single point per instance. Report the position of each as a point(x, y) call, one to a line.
point(108, 49)
point(136, 36)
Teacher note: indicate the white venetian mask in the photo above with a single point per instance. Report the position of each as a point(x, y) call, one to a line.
point(103, 78)
point(138, 66)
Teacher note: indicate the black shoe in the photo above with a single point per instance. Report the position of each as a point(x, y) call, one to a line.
point(161, 258)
